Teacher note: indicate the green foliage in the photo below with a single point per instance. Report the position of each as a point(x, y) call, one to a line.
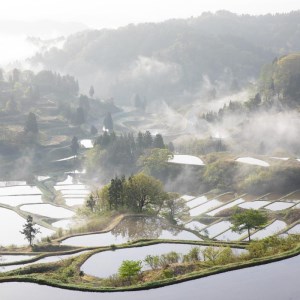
point(271, 245)
point(49, 82)
point(152, 261)
point(282, 78)
point(137, 193)
point(129, 269)
point(175, 208)
point(247, 220)
point(220, 174)
point(218, 255)
point(91, 203)
point(193, 255)
point(158, 142)
point(31, 124)
point(155, 162)
point(116, 193)
point(29, 231)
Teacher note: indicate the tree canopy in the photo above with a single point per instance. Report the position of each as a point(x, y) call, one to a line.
point(29, 231)
point(247, 220)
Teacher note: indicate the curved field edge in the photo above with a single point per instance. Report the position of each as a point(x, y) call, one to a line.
point(155, 284)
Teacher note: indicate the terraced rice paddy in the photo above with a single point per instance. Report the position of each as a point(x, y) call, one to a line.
point(87, 143)
point(226, 206)
point(11, 224)
point(197, 201)
point(48, 259)
point(48, 210)
point(216, 229)
point(204, 207)
point(19, 190)
point(110, 261)
point(275, 206)
point(230, 235)
point(294, 230)
point(274, 228)
point(19, 200)
point(254, 204)
point(186, 160)
point(194, 225)
point(253, 161)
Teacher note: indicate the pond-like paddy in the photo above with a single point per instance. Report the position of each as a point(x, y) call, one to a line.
point(11, 183)
point(106, 263)
point(186, 160)
point(216, 229)
point(230, 235)
point(204, 207)
point(194, 225)
point(294, 230)
point(130, 229)
point(197, 201)
point(48, 210)
point(74, 201)
point(229, 205)
point(19, 190)
point(11, 224)
point(274, 228)
point(253, 161)
point(275, 281)
point(86, 143)
point(187, 197)
point(13, 258)
point(70, 187)
point(280, 158)
point(279, 206)
point(254, 204)
point(48, 259)
point(19, 200)
point(68, 180)
point(73, 192)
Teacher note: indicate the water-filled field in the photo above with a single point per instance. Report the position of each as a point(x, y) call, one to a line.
point(253, 161)
point(19, 200)
point(48, 210)
point(186, 160)
point(11, 224)
point(129, 229)
point(229, 205)
point(204, 207)
point(276, 281)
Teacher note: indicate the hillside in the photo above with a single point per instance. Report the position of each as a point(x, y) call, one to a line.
point(177, 60)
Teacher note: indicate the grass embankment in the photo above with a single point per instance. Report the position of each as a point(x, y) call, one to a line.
point(66, 274)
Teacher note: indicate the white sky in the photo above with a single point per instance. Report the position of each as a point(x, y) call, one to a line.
point(115, 13)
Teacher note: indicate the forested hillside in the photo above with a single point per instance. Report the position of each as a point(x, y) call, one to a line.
point(177, 60)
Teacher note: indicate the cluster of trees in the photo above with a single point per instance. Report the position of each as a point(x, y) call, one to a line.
point(114, 154)
point(137, 193)
point(281, 79)
point(278, 88)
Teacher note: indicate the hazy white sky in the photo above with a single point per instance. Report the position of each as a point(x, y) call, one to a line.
point(115, 13)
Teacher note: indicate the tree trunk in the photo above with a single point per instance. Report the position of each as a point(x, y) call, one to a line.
point(249, 234)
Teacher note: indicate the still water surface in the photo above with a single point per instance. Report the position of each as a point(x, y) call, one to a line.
point(276, 281)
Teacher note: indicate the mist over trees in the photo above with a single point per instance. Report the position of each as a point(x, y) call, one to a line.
point(178, 57)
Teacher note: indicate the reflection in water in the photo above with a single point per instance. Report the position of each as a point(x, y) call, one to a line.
point(275, 281)
point(135, 228)
point(132, 228)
